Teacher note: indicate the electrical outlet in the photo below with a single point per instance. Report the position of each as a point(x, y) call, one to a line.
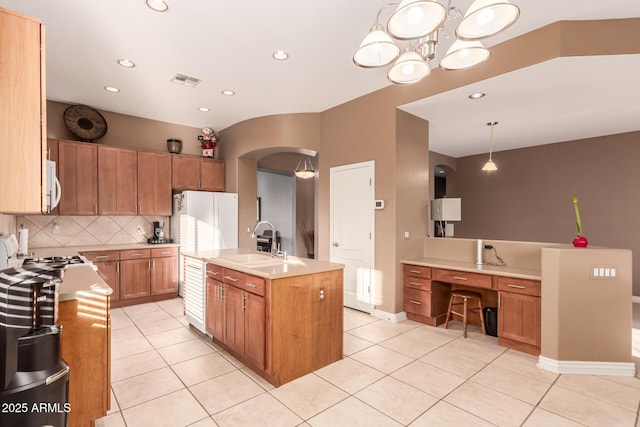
point(140, 230)
point(406, 235)
point(56, 228)
point(321, 294)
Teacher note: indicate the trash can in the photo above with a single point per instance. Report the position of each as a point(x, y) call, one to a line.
point(491, 320)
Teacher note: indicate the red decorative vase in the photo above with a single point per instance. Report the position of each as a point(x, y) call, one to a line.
point(580, 242)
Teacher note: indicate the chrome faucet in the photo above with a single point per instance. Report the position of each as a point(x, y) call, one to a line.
point(275, 250)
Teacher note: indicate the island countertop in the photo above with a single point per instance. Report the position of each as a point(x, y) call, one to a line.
point(294, 266)
point(495, 270)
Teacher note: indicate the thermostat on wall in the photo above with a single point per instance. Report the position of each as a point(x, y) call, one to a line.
point(379, 204)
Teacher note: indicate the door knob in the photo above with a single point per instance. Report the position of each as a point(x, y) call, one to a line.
point(336, 244)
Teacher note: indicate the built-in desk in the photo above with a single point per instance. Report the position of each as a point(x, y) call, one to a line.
point(427, 284)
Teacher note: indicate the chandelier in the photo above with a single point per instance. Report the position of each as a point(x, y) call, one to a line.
point(415, 24)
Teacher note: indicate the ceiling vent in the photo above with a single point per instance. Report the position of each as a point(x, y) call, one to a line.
point(185, 80)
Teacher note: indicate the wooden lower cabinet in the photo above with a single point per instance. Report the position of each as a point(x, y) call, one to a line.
point(282, 328)
point(86, 348)
point(138, 276)
point(519, 314)
point(423, 299)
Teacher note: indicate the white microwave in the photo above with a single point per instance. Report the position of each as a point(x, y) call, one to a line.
point(53, 186)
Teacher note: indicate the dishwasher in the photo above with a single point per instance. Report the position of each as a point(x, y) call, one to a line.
point(194, 292)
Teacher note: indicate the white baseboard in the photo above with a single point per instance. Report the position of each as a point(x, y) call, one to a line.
point(635, 299)
point(391, 317)
point(588, 368)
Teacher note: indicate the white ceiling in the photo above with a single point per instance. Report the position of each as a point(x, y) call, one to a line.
point(228, 44)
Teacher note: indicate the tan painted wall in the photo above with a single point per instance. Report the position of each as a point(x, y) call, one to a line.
point(127, 131)
point(530, 196)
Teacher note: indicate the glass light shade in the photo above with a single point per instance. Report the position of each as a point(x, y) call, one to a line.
point(305, 169)
point(409, 68)
point(376, 50)
point(464, 54)
point(416, 18)
point(485, 18)
point(157, 5)
point(489, 166)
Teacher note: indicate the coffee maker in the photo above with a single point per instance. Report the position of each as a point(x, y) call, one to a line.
point(158, 233)
point(34, 380)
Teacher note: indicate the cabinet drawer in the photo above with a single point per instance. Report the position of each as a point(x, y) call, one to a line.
point(462, 278)
point(234, 278)
point(416, 271)
point(254, 284)
point(519, 286)
point(416, 302)
point(416, 283)
point(135, 254)
point(101, 256)
point(215, 272)
point(163, 252)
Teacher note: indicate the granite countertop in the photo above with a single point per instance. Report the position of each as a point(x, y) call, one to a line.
point(496, 270)
point(75, 250)
point(294, 266)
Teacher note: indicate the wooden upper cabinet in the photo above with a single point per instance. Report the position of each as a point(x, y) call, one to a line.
point(78, 174)
point(154, 183)
point(117, 181)
point(185, 173)
point(52, 154)
point(197, 173)
point(212, 175)
point(23, 117)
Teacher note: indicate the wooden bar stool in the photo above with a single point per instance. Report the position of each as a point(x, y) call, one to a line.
point(465, 296)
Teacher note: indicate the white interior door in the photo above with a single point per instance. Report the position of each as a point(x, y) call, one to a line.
point(352, 226)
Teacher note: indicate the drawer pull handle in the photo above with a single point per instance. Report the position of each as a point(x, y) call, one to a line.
point(517, 286)
point(165, 252)
point(102, 256)
point(415, 271)
point(415, 283)
point(215, 273)
point(460, 278)
point(415, 302)
point(135, 254)
point(251, 285)
point(233, 279)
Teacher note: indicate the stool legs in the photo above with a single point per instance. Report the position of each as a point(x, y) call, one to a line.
point(465, 309)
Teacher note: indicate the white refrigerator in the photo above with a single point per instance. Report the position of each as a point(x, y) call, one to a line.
point(201, 221)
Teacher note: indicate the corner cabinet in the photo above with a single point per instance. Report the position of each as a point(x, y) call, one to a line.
point(23, 119)
point(280, 328)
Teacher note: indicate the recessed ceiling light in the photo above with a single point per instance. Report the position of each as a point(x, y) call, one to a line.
point(158, 5)
point(228, 92)
point(280, 55)
point(111, 89)
point(477, 95)
point(126, 63)
point(203, 109)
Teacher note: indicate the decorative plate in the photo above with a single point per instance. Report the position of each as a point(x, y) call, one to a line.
point(85, 122)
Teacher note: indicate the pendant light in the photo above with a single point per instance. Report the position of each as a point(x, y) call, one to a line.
point(464, 54)
point(490, 165)
point(409, 68)
point(416, 18)
point(305, 169)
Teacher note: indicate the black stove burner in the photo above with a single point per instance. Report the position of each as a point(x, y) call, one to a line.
point(60, 260)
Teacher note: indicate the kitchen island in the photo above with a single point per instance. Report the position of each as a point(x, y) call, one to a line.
point(282, 319)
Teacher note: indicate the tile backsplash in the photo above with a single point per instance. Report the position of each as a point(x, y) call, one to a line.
point(47, 231)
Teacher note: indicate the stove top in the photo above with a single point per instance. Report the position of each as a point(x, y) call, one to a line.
point(58, 260)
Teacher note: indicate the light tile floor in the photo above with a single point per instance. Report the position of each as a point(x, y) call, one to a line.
point(393, 374)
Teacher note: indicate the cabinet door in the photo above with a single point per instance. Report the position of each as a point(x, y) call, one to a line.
point(78, 174)
point(117, 176)
point(185, 173)
point(134, 278)
point(215, 308)
point(212, 175)
point(109, 271)
point(254, 329)
point(234, 301)
point(154, 183)
point(164, 275)
point(519, 318)
point(23, 117)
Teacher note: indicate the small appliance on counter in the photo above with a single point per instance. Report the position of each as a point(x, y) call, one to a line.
point(34, 380)
point(158, 234)
point(8, 250)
